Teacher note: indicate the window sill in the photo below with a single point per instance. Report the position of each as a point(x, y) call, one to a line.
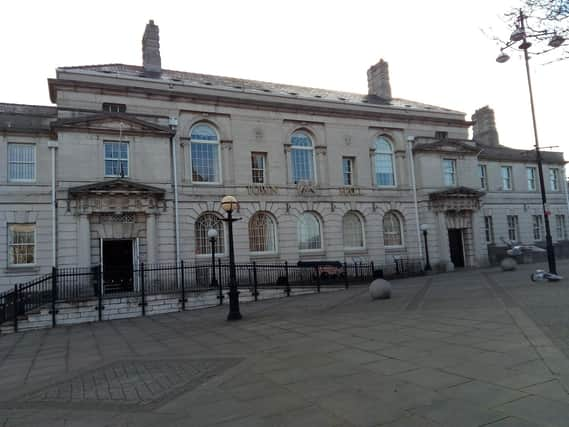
point(261, 255)
point(310, 252)
point(34, 182)
point(355, 250)
point(32, 268)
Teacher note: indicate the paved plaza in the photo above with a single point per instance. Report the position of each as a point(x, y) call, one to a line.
point(471, 348)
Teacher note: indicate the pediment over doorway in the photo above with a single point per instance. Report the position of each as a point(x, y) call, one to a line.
point(116, 196)
point(455, 199)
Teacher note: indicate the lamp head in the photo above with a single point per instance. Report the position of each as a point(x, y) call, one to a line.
point(173, 123)
point(556, 41)
point(229, 203)
point(424, 227)
point(212, 233)
point(518, 35)
point(503, 57)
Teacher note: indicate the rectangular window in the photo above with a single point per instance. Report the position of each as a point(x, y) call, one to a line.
point(506, 178)
point(348, 170)
point(561, 227)
point(21, 162)
point(537, 221)
point(116, 158)
point(512, 227)
point(554, 179)
point(483, 174)
point(441, 135)
point(21, 244)
point(258, 167)
point(532, 183)
point(489, 229)
point(449, 172)
point(111, 107)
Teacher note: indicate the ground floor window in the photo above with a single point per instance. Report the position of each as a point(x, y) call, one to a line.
point(561, 227)
point(21, 244)
point(204, 223)
point(512, 227)
point(489, 229)
point(392, 230)
point(537, 221)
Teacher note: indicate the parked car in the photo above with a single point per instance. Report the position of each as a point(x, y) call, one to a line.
point(327, 269)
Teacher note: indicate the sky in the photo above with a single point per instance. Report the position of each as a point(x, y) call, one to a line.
point(440, 51)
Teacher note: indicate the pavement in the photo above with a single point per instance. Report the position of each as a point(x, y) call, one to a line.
point(470, 348)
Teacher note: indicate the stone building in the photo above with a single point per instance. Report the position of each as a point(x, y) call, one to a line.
point(131, 163)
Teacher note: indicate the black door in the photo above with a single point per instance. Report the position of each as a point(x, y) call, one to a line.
point(117, 265)
point(456, 248)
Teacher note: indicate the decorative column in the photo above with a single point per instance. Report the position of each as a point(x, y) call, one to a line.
point(321, 165)
point(151, 238)
point(84, 241)
point(444, 250)
point(227, 162)
point(401, 170)
point(372, 166)
point(288, 162)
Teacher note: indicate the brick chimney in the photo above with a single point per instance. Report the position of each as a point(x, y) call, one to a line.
point(151, 51)
point(378, 80)
point(484, 127)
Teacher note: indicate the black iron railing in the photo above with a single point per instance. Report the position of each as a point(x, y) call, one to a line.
point(77, 284)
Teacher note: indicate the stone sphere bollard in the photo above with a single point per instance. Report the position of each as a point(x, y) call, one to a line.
point(508, 264)
point(380, 289)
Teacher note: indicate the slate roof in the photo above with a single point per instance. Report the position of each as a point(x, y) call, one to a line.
point(260, 87)
point(504, 153)
point(26, 118)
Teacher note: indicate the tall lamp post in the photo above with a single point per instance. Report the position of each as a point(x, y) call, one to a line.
point(212, 235)
point(229, 204)
point(424, 228)
point(520, 35)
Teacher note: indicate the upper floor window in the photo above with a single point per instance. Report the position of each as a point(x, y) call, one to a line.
point(204, 154)
point(353, 229)
point(489, 229)
point(348, 170)
point(513, 231)
point(449, 172)
point(111, 107)
point(116, 158)
point(262, 233)
point(302, 156)
point(204, 223)
point(554, 179)
point(258, 167)
point(532, 183)
point(309, 232)
point(537, 221)
point(21, 244)
point(440, 134)
point(483, 175)
point(384, 169)
point(506, 178)
point(561, 227)
point(392, 230)
point(21, 162)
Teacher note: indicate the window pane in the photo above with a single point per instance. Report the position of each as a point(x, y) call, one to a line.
point(21, 244)
point(202, 225)
point(21, 162)
point(205, 162)
point(353, 232)
point(392, 230)
point(302, 165)
point(203, 133)
point(299, 139)
point(262, 233)
point(258, 167)
point(309, 232)
point(384, 169)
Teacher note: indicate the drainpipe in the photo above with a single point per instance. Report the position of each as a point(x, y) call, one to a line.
point(410, 141)
point(52, 145)
point(173, 125)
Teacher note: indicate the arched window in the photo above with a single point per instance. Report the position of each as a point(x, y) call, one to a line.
point(384, 169)
point(392, 230)
point(262, 233)
point(302, 157)
point(202, 225)
point(204, 154)
point(352, 225)
point(309, 232)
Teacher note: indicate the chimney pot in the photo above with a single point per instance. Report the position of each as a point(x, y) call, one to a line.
point(378, 80)
point(151, 61)
point(484, 127)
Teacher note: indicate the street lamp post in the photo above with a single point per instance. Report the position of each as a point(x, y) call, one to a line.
point(229, 204)
point(212, 235)
point(424, 228)
point(520, 35)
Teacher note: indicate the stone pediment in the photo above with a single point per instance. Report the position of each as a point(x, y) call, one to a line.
point(455, 199)
point(448, 146)
point(110, 123)
point(118, 186)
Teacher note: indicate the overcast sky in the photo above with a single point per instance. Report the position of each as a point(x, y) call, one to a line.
point(437, 50)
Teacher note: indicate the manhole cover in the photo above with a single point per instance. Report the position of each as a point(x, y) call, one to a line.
point(132, 382)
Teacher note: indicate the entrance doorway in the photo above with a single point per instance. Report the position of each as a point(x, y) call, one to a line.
point(456, 247)
point(117, 265)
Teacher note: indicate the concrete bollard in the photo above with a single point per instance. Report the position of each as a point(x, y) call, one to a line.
point(380, 289)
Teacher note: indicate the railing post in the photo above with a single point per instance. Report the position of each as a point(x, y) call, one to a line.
point(220, 282)
point(347, 284)
point(142, 294)
point(287, 289)
point(53, 295)
point(372, 269)
point(99, 292)
point(318, 279)
point(255, 284)
point(15, 307)
point(183, 301)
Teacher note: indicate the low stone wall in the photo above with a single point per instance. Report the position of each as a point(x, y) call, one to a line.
point(122, 307)
point(497, 253)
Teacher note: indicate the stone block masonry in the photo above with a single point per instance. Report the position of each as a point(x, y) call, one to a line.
point(123, 307)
